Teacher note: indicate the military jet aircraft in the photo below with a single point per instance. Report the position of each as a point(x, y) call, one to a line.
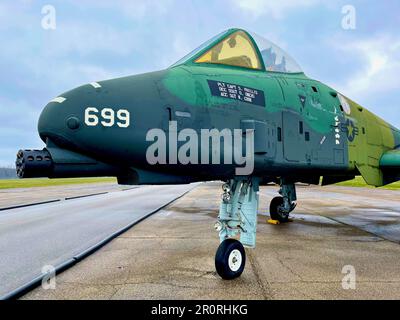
point(300, 131)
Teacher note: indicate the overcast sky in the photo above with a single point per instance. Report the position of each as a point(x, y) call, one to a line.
point(97, 40)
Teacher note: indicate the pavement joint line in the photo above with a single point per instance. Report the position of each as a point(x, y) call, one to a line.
point(332, 281)
point(339, 282)
point(265, 287)
point(283, 264)
point(34, 283)
point(61, 199)
point(163, 283)
point(29, 205)
point(86, 195)
point(20, 291)
point(127, 189)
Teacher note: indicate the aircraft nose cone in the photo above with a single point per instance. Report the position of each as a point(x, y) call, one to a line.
point(61, 118)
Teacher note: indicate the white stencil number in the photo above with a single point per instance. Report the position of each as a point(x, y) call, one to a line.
point(91, 118)
point(123, 116)
point(106, 117)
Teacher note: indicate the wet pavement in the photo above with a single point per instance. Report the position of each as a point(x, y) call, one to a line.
point(171, 254)
point(24, 196)
point(56, 233)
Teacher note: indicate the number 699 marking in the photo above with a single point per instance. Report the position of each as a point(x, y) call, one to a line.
point(107, 117)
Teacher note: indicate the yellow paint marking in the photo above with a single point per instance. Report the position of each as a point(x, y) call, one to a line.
point(276, 222)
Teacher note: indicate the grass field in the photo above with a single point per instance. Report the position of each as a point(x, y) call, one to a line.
point(30, 183)
point(359, 182)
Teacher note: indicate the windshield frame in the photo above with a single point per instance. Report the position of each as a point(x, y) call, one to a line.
point(191, 57)
point(223, 38)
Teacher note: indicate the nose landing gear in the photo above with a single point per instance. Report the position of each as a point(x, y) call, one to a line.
point(237, 221)
point(237, 224)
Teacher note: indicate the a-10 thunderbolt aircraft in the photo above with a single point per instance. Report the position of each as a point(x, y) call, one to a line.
point(152, 129)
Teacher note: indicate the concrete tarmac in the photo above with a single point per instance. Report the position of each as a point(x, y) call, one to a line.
point(51, 234)
point(26, 196)
point(171, 254)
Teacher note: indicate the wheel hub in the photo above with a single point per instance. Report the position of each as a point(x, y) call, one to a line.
point(235, 260)
point(282, 212)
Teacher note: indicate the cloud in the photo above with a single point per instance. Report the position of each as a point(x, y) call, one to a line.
point(38, 64)
point(100, 39)
point(134, 9)
point(381, 66)
point(85, 38)
point(140, 9)
point(275, 9)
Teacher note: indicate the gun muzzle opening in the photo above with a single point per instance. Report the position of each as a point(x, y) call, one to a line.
point(55, 162)
point(33, 163)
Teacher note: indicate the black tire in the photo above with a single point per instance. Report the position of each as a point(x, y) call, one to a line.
point(275, 213)
point(223, 258)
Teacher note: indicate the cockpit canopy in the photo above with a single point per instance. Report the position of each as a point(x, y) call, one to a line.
point(238, 48)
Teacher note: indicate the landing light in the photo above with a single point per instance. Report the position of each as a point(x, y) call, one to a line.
point(218, 226)
point(226, 188)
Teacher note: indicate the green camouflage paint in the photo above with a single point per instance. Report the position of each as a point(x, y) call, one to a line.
point(367, 137)
point(304, 130)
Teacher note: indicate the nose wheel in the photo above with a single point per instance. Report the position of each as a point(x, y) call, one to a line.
point(230, 259)
point(236, 225)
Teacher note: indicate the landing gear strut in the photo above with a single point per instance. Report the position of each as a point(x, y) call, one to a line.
point(237, 225)
point(281, 207)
